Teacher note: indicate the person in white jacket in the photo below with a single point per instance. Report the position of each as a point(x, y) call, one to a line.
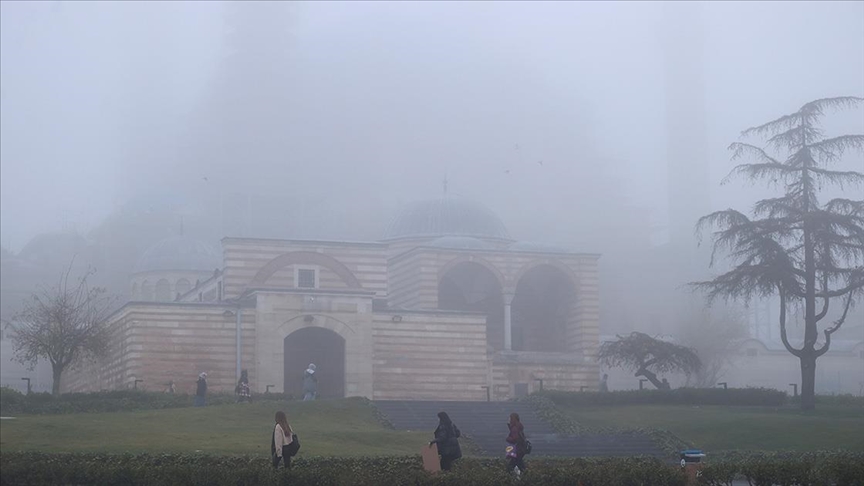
point(282, 438)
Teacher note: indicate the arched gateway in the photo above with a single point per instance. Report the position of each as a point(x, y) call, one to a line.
point(316, 345)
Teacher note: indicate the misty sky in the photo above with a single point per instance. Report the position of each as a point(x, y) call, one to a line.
point(98, 98)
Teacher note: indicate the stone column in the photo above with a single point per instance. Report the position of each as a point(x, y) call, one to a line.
point(508, 329)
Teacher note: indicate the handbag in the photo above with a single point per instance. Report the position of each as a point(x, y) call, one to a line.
point(294, 446)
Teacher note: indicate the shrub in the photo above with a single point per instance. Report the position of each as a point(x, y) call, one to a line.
point(840, 468)
point(38, 468)
point(13, 402)
point(846, 400)
point(678, 396)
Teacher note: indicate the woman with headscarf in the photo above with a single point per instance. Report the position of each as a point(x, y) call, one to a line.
point(282, 438)
point(447, 437)
point(516, 448)
point(201, 390)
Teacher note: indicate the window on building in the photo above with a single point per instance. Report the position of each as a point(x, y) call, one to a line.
point(146, 291)
point(306, 278)
point(183, 286)
point(163, 291)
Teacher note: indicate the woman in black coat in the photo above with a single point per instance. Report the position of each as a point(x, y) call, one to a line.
point(447, 438)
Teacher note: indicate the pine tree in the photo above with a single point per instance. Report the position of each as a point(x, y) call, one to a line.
point(808, 253)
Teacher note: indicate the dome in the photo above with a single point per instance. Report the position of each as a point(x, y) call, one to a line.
point(178, 253)
point(536, 247)
point(449, 215)
point(460, 243)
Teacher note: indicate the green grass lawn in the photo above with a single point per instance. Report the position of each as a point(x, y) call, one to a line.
point(325, 428)
point(718, 428)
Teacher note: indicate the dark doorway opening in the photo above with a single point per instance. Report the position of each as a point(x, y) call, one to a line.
point(316, 345)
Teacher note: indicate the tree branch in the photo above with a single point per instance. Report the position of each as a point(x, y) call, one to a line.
point(839, 322)
point(783, 336)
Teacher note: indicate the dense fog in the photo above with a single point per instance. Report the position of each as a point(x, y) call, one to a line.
point(599, 126)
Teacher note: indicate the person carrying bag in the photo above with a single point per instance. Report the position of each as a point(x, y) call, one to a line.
point(284, 443)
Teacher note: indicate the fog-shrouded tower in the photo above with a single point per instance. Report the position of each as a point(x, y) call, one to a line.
point(686, 123)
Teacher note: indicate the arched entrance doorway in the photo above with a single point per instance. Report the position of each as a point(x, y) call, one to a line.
point(316, 345)
point(472, 287)
point(542, 309)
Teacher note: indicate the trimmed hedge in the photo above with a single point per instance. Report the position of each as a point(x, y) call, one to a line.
point(38, 469)
point(841, 468)
point(846, 400)
point(14, 402)
point(678, 396)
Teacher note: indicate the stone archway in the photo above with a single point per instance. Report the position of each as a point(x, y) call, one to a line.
point(543, 309)
point(474, 287)
point(316, 345)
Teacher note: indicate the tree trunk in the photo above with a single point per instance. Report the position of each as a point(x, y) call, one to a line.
point(55, 387)
point(808, 382)
point(651, 377)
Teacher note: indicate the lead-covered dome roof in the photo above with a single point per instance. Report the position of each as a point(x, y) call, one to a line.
point(448, 215)
point(179, 253)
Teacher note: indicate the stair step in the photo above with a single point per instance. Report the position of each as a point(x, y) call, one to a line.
point(485, 423)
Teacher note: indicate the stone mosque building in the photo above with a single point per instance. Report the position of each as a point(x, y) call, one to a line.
point(445, 306)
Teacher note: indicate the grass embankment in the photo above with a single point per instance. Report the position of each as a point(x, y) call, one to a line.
point(723, 428)
point(325, 428)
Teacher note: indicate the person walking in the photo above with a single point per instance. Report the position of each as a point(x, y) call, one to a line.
point(604, 383)
point(201, 390)
point(516, 449)
point(242, 390)
point(310, 383)
point(282, 438)
point(447, 437)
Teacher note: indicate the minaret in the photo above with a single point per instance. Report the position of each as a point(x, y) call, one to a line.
point(687, 154)
point(241, 121)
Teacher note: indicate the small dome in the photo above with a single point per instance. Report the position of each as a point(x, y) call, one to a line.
point(536, 247)
point(449, 215)
point(460, 243)
point(179, 253)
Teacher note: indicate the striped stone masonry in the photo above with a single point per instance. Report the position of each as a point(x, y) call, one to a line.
point(426, 356)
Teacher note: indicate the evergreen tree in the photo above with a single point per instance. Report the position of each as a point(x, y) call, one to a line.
point(807, 252)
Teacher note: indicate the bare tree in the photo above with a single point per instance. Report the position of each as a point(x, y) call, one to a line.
point(805, 252)
point(714, 334)
point(647, 356)
point(64, 324)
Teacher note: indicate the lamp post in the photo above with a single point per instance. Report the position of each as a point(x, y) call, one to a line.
point(723, 384)
point(641, 383)
point(488, 393)
point(28, 384)
point(135, 385)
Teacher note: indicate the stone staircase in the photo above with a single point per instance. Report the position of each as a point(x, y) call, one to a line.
point(486, 424)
